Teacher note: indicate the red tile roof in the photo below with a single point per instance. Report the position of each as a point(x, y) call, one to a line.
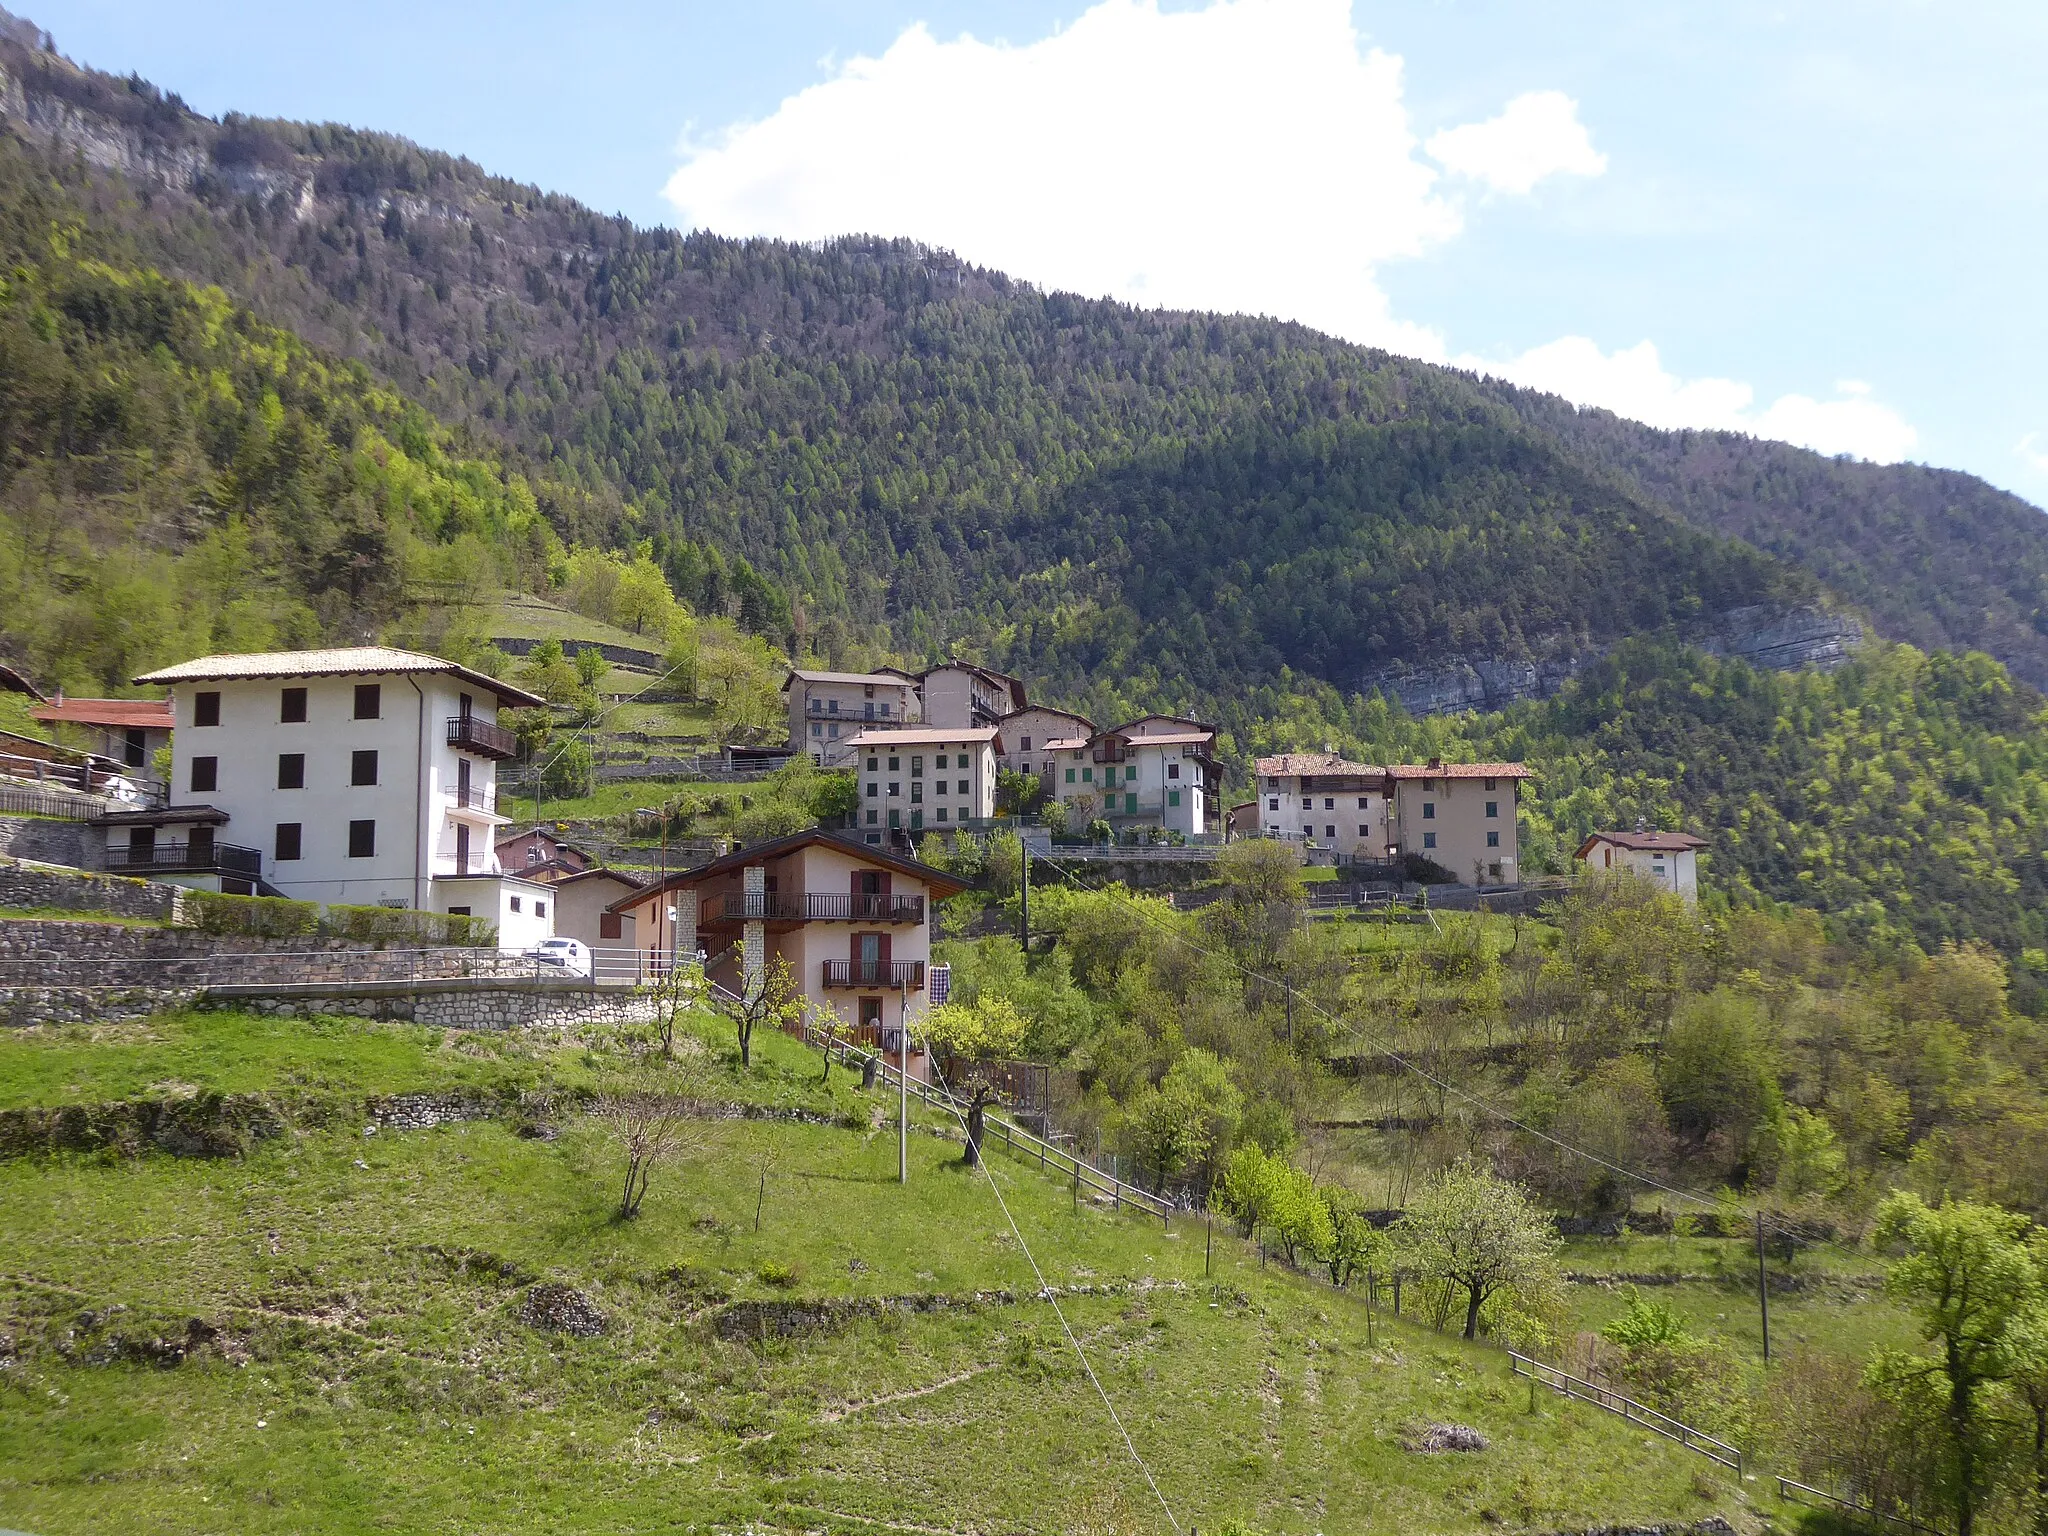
point(1461, 771)
point(118, 714)
point(1644, 842)
point(1289, 765)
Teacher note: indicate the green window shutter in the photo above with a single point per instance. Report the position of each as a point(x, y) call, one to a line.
point(1173, 797)
point(1130, 805)
point(1070, 775)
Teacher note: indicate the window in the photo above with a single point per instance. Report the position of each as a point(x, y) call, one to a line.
point(292, 706)
point(1024, 744)
point(1173, 770)
point(917, 767)
point(1087, 775)
point(833, 732)
point(205, 774)
point(885, 709)
point(291, 770)
point(287, 843)
point(1308, 803)
point(895, 765)
point(942, 813)
point(895, 788)
point(540, 909)
point(939, 786)
point(369, 701)
point(1493, 808)
point(458, 911)
point(1329, 803)
point(871, 818)
point(1429, 839)
point(873, 763)
point(1493, 871)
point(1493, 839)
point(963, 786)
point(1489, 785)
point(1429, 810)
point(1361, 829)
point(817, 729)
point(1365, 802)
point(1070, 775)
point(917, 791)
point(206, 709)
point(362, 767)
point(1130, 805)
point(1131, 774)
point(362, 839)
point(916, 820)
point(611, 925)
point(816, 705)
point(874, 788)
point(940, 761)
point(1173, 797)
point(1330, 833)
point(513, 903)
point(835, 706)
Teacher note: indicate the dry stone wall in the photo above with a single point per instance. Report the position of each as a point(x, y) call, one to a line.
point(483, 1004)
point(22, 885)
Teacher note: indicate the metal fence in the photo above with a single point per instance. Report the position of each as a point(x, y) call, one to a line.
point(1585, 1391)
point(1788, 1489)
point(21, 800)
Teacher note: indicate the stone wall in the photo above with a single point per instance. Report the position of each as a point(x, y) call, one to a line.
point(510, 1003)
point(50, 952)
point(71, 843)
point(70, 891)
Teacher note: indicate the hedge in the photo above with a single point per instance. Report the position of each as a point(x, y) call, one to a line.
point(274, 917)
point(268, 917)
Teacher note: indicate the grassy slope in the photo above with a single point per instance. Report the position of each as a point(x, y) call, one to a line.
point(388, 1388)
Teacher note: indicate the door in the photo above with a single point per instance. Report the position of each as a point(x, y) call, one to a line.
point(871, 959)
point(462, 845)
point(869, 888)
point(201, 847)
point(462, 781)
point(142, 845)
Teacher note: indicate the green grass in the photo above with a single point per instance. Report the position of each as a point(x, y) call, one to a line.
point(609, 802)
point(73, 915)
point(244, 1053)
point(386, 1388)
point(521, 616)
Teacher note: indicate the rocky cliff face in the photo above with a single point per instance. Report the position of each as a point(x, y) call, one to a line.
point(1779, 639)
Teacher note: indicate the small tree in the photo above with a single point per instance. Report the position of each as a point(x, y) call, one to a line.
point(1299, 1217)
point(676, 993)
point(1249, 1188)
point(774, 1002)
point(651, 1118)
point(988, 1029)
point(1479, 1235)
point(590, 666)
point(1966, 1275)
point(1354, 1243)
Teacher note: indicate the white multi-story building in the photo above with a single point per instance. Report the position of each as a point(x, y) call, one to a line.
point(1670, 859)
point(363, 775)
point(828, 709)
point(923, 780)
point(1156, 771)
point(1327, 800)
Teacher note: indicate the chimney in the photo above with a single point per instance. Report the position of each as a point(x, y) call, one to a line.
point(1436, 762)
point(1642, 824)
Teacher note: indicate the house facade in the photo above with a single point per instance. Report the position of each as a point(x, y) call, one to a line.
point(1166, 777)
point(582, 910)
point(852, 922)
point(1459, 815)
point(960, 695)
point(1027, 736)
point(1669, 859)
point(130, 731)
point(828, 709)
point(921, 780)
point(1327, 800)
point(362, 775)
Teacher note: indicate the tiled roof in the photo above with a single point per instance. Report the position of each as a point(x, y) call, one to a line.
point(151, 714)
point(1461, 771)
point(870, 679)
point(1645, 842)
point(937, 881)
point(342, 661)
point(1289, 765)
point(924, 736)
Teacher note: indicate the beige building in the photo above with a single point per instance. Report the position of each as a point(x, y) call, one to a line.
point(1154, 772)
point(828, 709)
point(926, 779)
point(583, 900)
point(960, 694)
point(1461, 816)
point(1328, 801)
point(1670, 859)
point(852, 922)
point(1028, 735)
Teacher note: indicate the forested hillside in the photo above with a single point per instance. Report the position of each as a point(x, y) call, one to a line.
point(922, 453)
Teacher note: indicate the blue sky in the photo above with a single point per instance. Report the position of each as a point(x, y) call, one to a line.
point(1822, 221)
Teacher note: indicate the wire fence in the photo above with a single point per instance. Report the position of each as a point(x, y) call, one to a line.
point(1568, 1385)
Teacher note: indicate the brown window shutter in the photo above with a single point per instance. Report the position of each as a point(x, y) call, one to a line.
point(884, 955)
point(611, 925)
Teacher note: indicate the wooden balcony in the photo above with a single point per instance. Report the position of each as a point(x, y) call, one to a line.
point(846, 908)
point(890, 974)
point(486, 738)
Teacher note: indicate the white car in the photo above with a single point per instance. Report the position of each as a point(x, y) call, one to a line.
point(572, 955)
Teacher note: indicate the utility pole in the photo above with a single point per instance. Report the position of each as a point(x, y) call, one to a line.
point(1763, 1295)
point(1024, 898)
point(903, 1089)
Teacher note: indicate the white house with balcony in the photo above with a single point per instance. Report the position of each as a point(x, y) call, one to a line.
point(362, 775)
point(1156, 771)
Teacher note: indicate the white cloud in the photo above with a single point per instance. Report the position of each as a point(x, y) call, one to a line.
point(1252, 156)
point(1538, 134)
point(1633, 382)
point(2037, 457)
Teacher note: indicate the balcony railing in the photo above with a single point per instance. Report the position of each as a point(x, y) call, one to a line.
point(875, 973)
point(227, 858)
point(476, 798)
point(849, 908)
point(486, 738)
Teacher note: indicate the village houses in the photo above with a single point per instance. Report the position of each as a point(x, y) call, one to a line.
point(1159, 770)
point(1667, 859)
point(828, 709)
point(926, 779)
point(851, 920)
point(361, 775)
point(1459, 816)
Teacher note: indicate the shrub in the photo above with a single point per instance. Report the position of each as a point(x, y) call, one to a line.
point(267, 917)
point(383, 925)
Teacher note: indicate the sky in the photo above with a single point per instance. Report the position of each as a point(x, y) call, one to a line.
point(1819, 222)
